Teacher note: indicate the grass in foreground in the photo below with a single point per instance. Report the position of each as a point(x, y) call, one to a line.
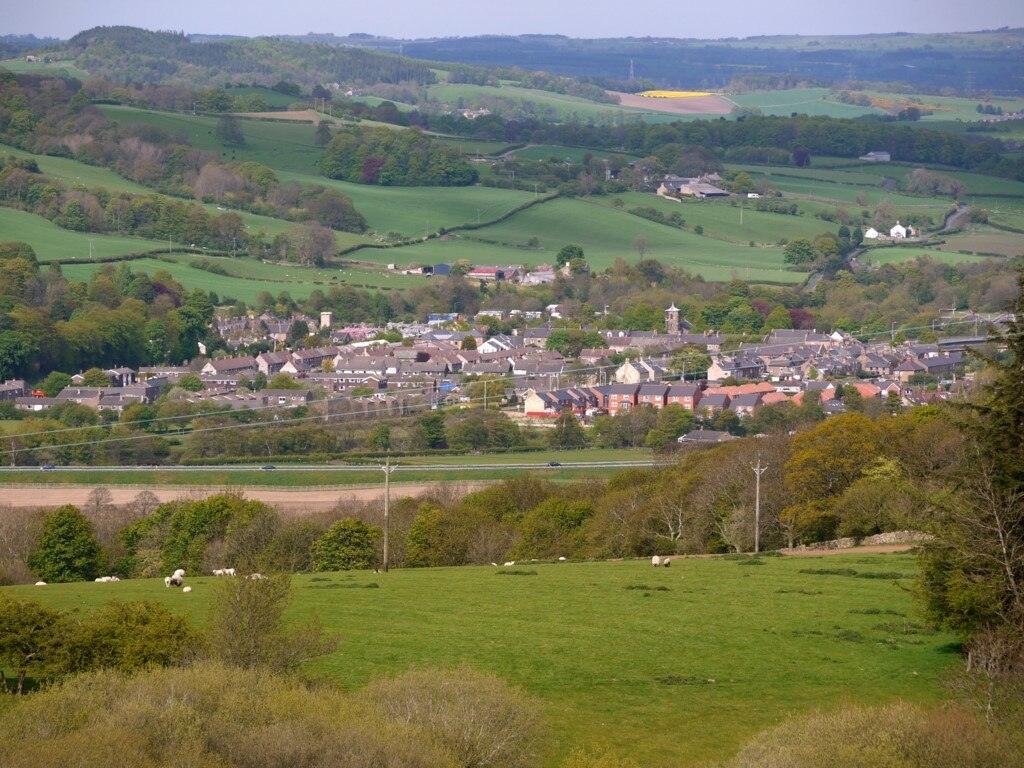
point(682, 664)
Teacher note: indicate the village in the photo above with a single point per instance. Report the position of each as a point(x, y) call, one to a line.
point(407, 366)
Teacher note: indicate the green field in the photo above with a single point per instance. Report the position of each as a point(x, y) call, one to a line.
point(75, 173)
point(572, 154)
point(877, 257)
point(605, 234)
point(279, 144)
point(249, 277)
point(668, 666)
point(721, 218)
point(273, 98)
point(54, 68)
point(415, 211)
point(808, 101)
point(951, 107)
point(545, 104)
point(51, 242)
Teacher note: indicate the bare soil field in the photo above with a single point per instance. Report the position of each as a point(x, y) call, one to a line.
point(291, 500)
point(690, 105)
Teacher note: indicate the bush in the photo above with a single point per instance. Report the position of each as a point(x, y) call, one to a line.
point(478, 717)
point(897, 736)
point(346, 545)
point(67, 549)
point(206, 715)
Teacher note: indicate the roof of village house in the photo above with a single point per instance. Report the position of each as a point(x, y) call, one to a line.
point(683, 390)
point(706, 436)
point(652, 388)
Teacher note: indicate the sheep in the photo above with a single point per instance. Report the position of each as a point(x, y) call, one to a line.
point(229, 571)
point(562, 559)
point(494, 564)
point(40, 583)
point(105, 579)
point(179, 574)
point(256, 576)
point(218, 571)
point(510, 563)
point(655, 561)
point(174, 581)
point(167, 581)
point(666, 563)
point(186, 590)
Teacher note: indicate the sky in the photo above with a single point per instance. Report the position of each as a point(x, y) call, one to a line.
point(576, 18)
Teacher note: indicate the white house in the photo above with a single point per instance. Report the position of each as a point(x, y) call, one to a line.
point(898, 232)
point(871, 233)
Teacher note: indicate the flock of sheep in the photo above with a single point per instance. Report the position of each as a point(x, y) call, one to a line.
point(177, 579)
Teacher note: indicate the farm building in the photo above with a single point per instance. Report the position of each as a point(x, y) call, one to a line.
point(876, 157)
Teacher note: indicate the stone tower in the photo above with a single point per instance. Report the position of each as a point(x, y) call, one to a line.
point(672, 322)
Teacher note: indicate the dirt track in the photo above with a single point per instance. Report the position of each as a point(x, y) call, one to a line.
point(294, 500)
point(691, 105)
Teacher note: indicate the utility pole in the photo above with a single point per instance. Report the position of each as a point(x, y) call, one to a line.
point(387, 468)
point(759, 470)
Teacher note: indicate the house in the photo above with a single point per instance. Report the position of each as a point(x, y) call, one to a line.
point(635, 372)
point(286, 397)
point(233, 366)
point(745, 405)
point(441, 270)
point(870, 233)
point(500, 343)
point(536, 337)
point(540, 276)
point(621, 397)
point(684, 186)
point(270, 363)
point(652, 395)
point(735, 367)
point(711, 404)
point(876, 156)
point(120, 377)
point(12, 389)
point(440, 318)
point(705, 437)
point(686, 395)
point(753, 196)
point(898, 232)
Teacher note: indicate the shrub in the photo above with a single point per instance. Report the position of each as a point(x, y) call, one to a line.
point(246, 626)
point(482, 720)
point(67, 549)
point(896, 736)
point(346, 545)
point(206, 715)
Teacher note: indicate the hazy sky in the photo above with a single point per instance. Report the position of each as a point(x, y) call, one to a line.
point(577, 18)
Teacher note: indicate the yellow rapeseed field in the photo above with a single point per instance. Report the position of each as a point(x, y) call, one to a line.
point(674, 94)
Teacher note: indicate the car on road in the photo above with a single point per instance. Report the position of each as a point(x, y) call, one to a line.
point(268, 467)
point(554, 463)
point(47, 467)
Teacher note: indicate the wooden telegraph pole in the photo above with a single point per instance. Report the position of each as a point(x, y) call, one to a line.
point(759, 470)
point(387, 468)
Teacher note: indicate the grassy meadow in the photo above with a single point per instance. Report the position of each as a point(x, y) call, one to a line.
point(51, 242)
point(605, 233)
point(807, 101)
point(665, 666)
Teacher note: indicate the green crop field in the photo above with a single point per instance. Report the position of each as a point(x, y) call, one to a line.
point(249, 277)
point(877, 257)
point(273, 98)
point(721, 218)
point(808, 101)
point(985, 241)
point(51, 242)
point(665, 666)
point(545, 104)
point(53, 68)
point(279, 144)
point(75, 173)
point(573, 154)
point(605, 234)
point(413, 211)
point(473, 146)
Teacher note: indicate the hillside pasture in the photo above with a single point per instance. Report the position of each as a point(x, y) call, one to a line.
point(52, 243)
point(663, 666)
point(605, 235)
point(807, 101)
point(279, 144)
point(246, 278)
point(415, 211)
point(878, 257)
point(65, 69)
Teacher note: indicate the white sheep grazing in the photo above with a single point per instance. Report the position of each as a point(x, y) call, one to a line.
point(40, 583)
point(655, 561)
point(106, 579)
point(509, 563)
point(167, 581)
point(494, 564)
point(218, 571)
point(562, 559)
point(179, 574)
point(186, 590)
point(666, 563)
point(256, 576)
point(229, 571)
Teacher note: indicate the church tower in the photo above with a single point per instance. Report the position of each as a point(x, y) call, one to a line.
point(672, 324)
